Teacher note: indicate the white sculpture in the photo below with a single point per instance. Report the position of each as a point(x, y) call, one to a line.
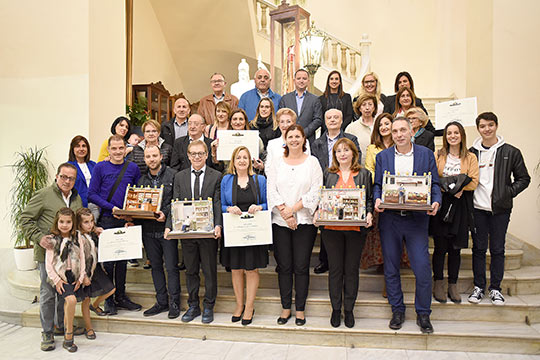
point(244, 82)
point(260, 64)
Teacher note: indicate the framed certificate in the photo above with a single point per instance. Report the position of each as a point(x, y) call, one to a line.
point(247, 229)
point(192, 219)
point(123, 243)
point(231, 139)
point(141, 202)
point(463, 111)
point(410, 192)
point(343, 207)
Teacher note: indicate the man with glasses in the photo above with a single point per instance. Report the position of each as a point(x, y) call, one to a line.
point(199, 181)
point(207, 105)
point(179, 158)
point(250, 99)
point(107, 190)
point(36, 222)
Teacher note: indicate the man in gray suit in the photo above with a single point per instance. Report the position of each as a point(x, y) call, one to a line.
point(306, 105)
point(199, 181)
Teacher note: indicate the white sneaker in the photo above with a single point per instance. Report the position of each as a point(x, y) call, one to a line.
point(476, 296)
point(496, 297)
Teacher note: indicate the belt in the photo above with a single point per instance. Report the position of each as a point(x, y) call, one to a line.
point(401, 212)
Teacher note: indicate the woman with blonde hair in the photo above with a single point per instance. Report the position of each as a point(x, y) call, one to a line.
point(243, 191)
point(371, 85)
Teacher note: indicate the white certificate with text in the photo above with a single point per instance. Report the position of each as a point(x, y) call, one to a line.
point(231, 139)
point(247, 229)
point(463, 111)
point(123, 243)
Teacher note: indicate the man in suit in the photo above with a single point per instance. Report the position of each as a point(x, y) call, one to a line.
point(199, 181)
point(322, 150)
point(306, 105)
point(207, 105)
point(411, 227)
point(177, 126)
point(250, 99)
point(179, 157)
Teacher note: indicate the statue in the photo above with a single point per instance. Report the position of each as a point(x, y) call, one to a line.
point(244, 82)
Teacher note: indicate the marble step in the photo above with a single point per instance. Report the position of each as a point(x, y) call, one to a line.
point(525, 280)
point(368, 305)
point(449, 335)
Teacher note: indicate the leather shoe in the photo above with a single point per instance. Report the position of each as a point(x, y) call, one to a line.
point(191, 313)
point(335, 319)
point(321, 268)
point(248, 321)
point(156, 309)
point(283, 321)
point(110, 307)
point(300, 322)
point(124, 302)
point(422, 320)
point(174, 311)
point(207, 316)
point(398, 318)
point(349, 319)
point(238, 318)
point(181, 266)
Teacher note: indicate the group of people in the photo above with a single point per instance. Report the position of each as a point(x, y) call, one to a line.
point(361, 139)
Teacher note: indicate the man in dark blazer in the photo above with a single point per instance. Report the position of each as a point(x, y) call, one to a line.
point(177, 126)
point(199, 181)
point(322, 150)
point(179, 157)
point(306, 105)
point(411, 227)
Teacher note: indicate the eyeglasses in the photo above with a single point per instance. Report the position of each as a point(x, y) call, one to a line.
point(67, 178)
point(197, 154)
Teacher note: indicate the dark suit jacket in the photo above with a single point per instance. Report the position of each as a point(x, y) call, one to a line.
point(211, 188)
point(345, 105)
point(310, 116)
point(167, 131)
point(426, 139)
point(390, 107)
point(424, 162)
point(179, 157)
point(319, 148)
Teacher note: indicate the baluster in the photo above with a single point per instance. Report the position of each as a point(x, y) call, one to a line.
point(325, 59)
point(264, 7)
point(334, 54)
point(343, 59)
point(353, 64)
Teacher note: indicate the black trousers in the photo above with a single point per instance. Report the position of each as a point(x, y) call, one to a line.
point(443, 246)
point(116, 270)
point(157, 249)
point(292, 250)
point(201, 253)
point(490, 230)
point(323, 255)
point(344, 250)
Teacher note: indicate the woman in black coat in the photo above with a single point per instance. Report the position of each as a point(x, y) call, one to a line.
point(334, 98)
point(344, 244)
point(419, 119)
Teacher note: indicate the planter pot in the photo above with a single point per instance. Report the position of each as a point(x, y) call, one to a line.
point(24, 259)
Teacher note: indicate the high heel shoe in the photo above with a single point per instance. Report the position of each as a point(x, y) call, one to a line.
point(238, 318)
point(248, 321)
point(68, 343)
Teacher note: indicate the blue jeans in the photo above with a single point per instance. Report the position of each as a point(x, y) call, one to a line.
point(489, 229)
point(50, 303)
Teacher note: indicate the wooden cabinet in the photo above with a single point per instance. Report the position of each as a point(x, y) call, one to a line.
point(159, 106)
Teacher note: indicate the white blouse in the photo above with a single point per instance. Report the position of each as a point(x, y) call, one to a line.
point(86, 173)
point(287, 184)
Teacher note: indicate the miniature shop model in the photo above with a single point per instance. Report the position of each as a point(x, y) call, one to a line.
point(342, 206)
point(410, 192)
point(192, 219)
point(141, 202)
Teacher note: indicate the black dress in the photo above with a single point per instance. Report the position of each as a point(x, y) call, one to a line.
point(100, 282)
point(245, 257)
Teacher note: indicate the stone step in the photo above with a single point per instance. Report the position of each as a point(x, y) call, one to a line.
point(368, 305)
point(368, 332)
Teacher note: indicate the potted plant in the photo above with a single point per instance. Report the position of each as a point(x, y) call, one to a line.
point(138, 113)
point(31, 170)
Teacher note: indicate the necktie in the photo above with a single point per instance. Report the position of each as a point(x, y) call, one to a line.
point(197, 185)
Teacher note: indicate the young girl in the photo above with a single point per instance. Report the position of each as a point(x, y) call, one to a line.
point(65, 264)
point(101, 287)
